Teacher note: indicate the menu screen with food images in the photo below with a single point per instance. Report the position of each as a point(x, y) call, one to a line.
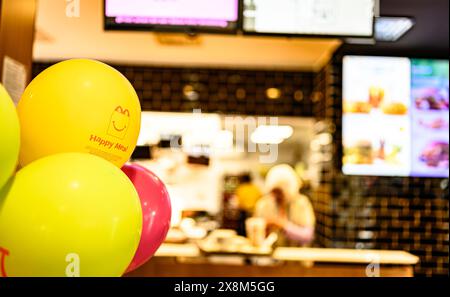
point(430, 117)
point(376, 123)
point(395, 117)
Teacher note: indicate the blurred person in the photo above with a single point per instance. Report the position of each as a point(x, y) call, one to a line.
point(247, 194)
point(285, 210)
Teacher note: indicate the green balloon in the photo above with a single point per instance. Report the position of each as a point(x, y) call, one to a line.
point(9, 137)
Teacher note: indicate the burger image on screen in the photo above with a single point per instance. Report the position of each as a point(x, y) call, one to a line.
point(357, 107)
point(361, 152)
point(394, 108)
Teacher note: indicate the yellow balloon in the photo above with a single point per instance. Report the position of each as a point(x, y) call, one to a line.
point(79, 106)
point(9, 137)
point(69, 214)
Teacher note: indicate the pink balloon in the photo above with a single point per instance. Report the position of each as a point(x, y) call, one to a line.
point(156, 210)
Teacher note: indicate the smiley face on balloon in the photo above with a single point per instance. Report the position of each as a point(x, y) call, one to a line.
point(119, 123)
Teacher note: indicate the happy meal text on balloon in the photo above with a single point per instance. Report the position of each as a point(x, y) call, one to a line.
point(108, 144)
point(101, 142)
point(121, 147)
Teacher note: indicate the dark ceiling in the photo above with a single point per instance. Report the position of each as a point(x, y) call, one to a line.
point(428, 38)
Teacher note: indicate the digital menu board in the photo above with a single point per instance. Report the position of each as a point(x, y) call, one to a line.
point(310, 17)
point(430, 118)
point(395, 117)
point(178, 15)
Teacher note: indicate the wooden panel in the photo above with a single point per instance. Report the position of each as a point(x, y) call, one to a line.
point(185, 260)
point(17, 31)
point(170, 267)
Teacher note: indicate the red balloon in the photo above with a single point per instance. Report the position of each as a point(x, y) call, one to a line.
point(156, 210)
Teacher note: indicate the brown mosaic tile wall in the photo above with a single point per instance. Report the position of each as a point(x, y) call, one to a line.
point(376, 212)
point(231, 91)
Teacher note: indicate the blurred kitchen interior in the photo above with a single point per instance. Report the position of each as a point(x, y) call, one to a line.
point(206, 93)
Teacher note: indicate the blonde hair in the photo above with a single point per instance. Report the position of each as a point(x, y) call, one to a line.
point(284, 178)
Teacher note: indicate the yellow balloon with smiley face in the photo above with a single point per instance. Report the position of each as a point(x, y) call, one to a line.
point(79, 106)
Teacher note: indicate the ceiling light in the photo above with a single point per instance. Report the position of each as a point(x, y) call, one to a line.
point(391, 29)
point(387, 29)
point(273, 93)
point(271, 134)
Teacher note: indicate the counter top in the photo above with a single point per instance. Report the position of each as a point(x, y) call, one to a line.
point(188, 250)
point(343, 256)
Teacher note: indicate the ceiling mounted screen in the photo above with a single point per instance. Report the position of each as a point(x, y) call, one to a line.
point(348, 18)
point(173, 15)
